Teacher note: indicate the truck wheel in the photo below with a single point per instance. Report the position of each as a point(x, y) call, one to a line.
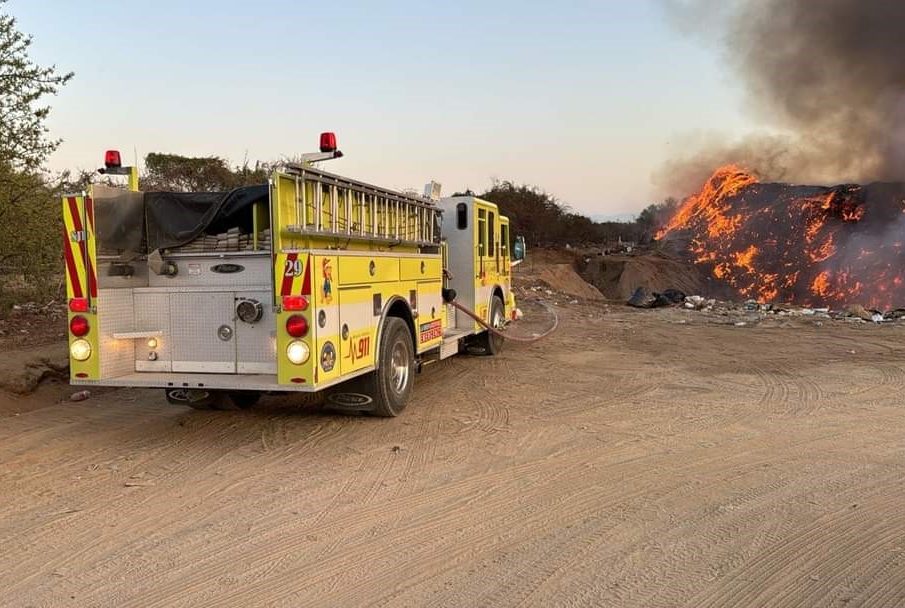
point(198, 399)
point(391, 384)
point(490, 343)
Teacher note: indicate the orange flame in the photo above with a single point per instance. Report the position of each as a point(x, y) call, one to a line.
point(767, 241)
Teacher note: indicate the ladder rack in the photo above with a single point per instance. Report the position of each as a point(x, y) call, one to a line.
point(324, 204)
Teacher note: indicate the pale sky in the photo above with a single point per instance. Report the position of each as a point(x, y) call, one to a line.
point(584, 99)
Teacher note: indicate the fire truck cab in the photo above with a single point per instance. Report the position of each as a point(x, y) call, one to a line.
point(311, 282)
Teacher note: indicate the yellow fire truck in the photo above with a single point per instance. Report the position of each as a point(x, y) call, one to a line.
point(312, 282)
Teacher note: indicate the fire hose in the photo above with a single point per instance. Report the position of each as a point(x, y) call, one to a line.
point(506, 335)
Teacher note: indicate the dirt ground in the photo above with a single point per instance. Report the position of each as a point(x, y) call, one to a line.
point(633, 458)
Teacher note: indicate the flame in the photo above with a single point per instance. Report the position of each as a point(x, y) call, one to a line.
point(709, 203)
point(776, 241)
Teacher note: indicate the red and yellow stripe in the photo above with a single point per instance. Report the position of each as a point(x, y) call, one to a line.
point(78, 247)
point(79, 254)
point(293, 274)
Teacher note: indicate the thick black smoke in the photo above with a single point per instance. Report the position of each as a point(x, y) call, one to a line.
point(826, 78)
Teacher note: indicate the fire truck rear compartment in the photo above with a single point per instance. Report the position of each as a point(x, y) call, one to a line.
point(188, 322)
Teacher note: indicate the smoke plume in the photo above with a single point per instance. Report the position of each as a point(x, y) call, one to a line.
point(826, 79)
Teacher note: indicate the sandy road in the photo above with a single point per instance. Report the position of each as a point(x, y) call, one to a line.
point(626, 461)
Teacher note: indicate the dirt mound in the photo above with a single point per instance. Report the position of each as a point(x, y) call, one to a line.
point(23, 373)
point(563, 278)
point(618, 276)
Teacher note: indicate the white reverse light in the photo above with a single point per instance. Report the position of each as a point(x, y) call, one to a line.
point(80, 350)
point(298, 352)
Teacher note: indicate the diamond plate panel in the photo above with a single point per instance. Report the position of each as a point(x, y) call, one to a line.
point(256, 342)
point(114, 314)
point(196, 320)
point(152, 313)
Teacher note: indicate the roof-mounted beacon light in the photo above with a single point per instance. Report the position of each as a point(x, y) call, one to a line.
point(328, 151)
point(112, 159)
point(328, 142)
point(113, 165)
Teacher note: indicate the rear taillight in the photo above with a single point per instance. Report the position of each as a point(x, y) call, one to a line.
point(78, 304)
point(296, 326)
point(79, 326)
point(295, 303)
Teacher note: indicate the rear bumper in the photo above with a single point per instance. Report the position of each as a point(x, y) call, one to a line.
point(227, 382)
point(250, 382)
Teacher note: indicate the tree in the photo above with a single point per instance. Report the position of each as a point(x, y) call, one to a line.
point(654, 216)
point(24, 145)
point(29, 208)
point(197, 174)
point(536, 215)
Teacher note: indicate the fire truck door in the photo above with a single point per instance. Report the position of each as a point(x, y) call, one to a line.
point(357, 336)
point(203, 332)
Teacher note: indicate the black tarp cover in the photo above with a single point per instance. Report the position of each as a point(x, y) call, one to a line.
point(162, 220)
point(176, 218)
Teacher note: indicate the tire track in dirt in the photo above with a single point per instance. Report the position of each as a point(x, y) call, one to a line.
point(449, 495)
point(850, 545)
point(183, 465)
point(594, 495)
point(276, 545)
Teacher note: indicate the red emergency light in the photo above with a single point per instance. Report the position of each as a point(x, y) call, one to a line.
point(297, 326)
point(78, 304)
point(295, 303)
point(328, 142)
point(112, 159)
point(79, 326)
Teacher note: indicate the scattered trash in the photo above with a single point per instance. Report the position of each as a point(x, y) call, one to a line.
point(858, 311)
point(643, 298)
point(79, 395)
point(674, 296)
point(694, 302)
point(138, 484)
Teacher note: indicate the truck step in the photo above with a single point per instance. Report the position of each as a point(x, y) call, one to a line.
point(451, 339)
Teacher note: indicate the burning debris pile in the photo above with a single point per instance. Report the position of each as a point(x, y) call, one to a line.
point(806, 245)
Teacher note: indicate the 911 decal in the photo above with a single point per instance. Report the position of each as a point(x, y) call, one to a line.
point(359, 347)
point(430, 331)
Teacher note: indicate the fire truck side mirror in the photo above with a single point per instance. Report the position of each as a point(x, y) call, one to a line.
point(518, 249)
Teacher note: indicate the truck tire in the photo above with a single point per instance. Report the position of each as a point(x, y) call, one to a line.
point(390, 385)
point(201, 399)
point(489, 343)
point(198, 399)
